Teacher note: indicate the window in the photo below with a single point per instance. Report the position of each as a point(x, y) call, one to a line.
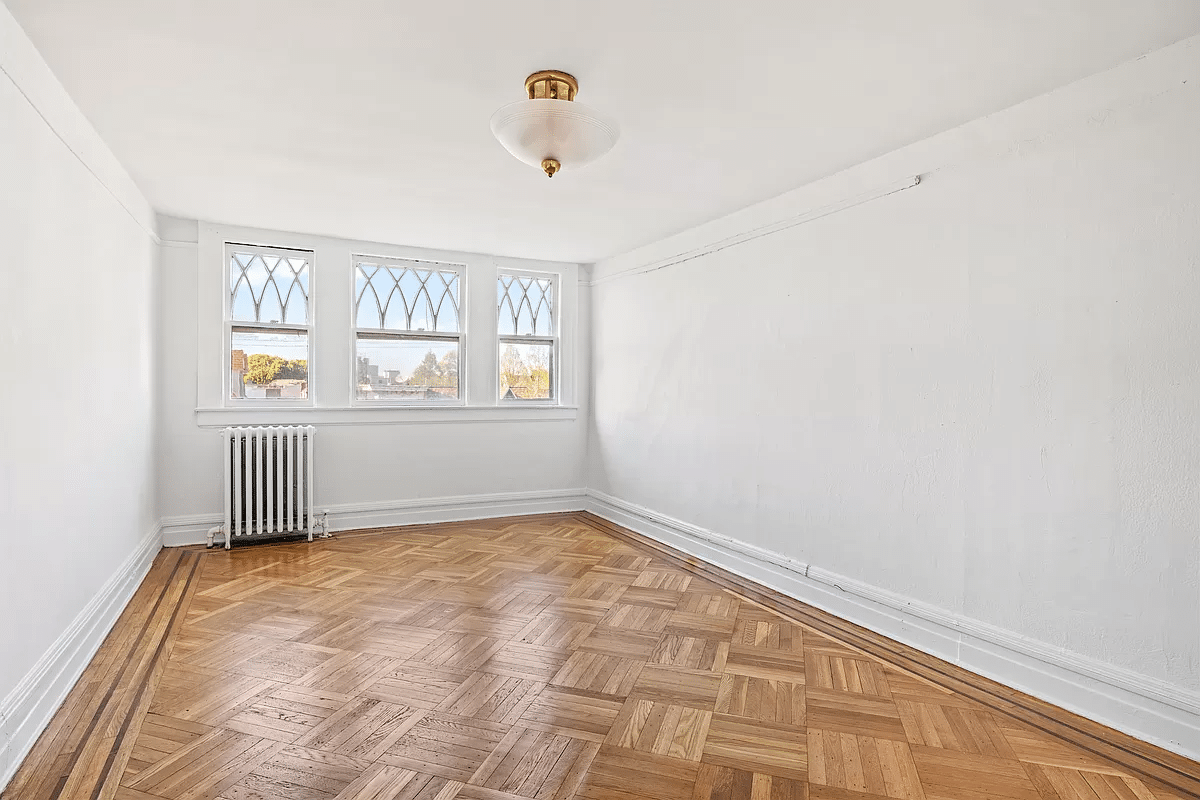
point(268, 321)
point(528, 336)
point(408, 330)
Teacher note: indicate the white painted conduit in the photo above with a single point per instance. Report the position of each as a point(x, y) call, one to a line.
point(765, 230)
point(1147, 709)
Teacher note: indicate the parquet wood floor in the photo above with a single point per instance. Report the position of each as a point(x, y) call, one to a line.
point(536, 658)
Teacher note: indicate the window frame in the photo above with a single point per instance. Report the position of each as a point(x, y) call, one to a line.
point(229, 325)
point(331, 359)
point(554, 339)
point(460, 270)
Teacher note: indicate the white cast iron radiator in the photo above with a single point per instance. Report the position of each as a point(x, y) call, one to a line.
point(268, 482)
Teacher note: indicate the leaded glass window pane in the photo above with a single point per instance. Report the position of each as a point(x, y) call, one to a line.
point(414, 297)
point(525, 305)
point(268, 289)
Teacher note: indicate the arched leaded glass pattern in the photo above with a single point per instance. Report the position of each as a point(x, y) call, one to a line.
point(408, 331)
point(268, 324)
point(526, 305)
point(528, 337)
point(415, 297)
point(268, 288)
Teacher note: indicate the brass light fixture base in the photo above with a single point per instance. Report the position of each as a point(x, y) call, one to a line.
point(551, 166)
point(550, 84)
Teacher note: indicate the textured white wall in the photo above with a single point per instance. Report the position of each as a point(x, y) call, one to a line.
point(982, 393)
point(77, 478)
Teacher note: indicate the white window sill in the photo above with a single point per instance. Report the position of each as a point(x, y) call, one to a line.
point(384, 415)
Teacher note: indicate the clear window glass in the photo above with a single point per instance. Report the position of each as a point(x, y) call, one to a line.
point(268, 365)
point(526, 370)
point(406, 369)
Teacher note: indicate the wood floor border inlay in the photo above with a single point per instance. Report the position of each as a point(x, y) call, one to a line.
point(536, 658)
point(132, 719)
point(127, 665)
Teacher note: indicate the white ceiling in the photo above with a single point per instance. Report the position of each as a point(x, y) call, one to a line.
point(369, 118)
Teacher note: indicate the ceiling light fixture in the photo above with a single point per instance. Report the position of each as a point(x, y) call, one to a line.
point(550, 130)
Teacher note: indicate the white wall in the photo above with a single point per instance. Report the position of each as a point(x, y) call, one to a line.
point(374, 466)
point(981, 393)
point(77, 478)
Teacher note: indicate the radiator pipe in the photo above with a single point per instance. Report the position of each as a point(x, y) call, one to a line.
point(213, 531)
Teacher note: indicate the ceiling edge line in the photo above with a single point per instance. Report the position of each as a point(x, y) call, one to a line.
point(78, 157)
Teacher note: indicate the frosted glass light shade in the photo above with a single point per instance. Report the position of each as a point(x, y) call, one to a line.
point(569, 132)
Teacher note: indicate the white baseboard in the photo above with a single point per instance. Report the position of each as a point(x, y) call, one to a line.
point(28, 708)
point(1145, 708)
point(189, 530)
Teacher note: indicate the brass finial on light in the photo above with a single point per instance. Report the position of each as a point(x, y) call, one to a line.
point(551, 166)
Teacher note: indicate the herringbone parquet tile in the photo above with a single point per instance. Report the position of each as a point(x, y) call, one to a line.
point(532, 658)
